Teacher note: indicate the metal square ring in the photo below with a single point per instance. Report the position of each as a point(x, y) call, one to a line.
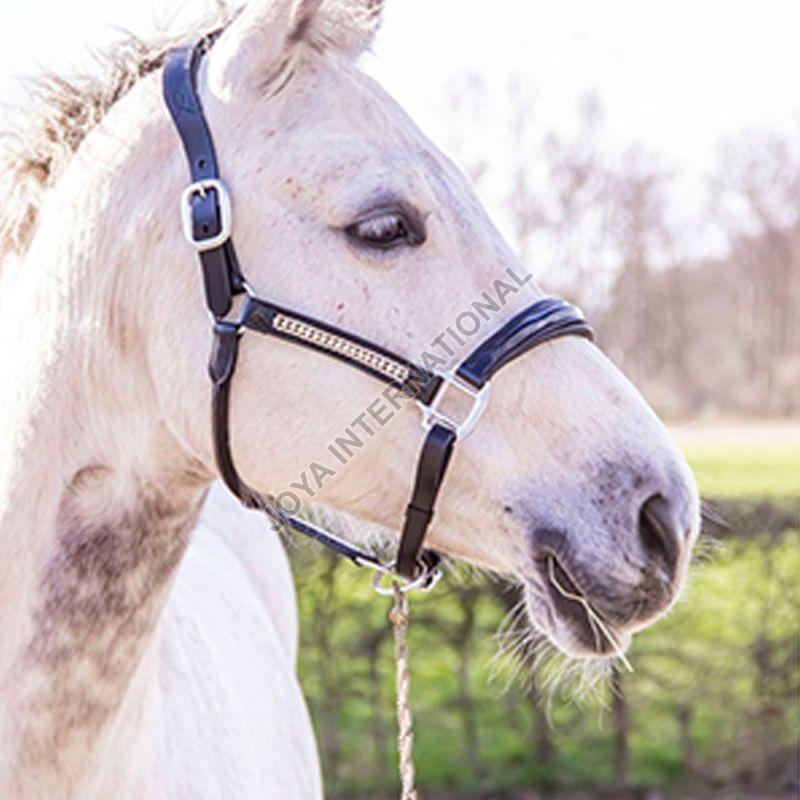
point(432, 415)
point(202, 188)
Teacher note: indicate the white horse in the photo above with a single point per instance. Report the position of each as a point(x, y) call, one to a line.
point(140, 659)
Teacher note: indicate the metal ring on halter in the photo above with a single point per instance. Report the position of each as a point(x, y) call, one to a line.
point(248, 289)
point(423, 583)
point(236, 321)
point(433, 415)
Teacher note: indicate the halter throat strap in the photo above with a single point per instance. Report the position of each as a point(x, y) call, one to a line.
point(206, 216)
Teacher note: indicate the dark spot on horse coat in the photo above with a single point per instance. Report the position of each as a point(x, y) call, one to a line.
point(101, 590)
point(300, 29)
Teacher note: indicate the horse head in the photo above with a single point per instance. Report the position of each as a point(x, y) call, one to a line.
point(344, 211)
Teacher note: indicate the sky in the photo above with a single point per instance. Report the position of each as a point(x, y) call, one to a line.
point(677, 76)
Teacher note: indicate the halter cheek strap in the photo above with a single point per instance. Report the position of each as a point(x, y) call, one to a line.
point(205, 206)
point(431, 468)
point(206, 216)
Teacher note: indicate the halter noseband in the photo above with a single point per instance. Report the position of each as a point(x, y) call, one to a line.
point(206, 216)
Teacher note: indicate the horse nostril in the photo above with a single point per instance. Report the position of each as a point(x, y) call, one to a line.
point(658, 534)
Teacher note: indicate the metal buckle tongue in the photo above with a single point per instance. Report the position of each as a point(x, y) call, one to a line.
point(433, 415)
point(424, 582)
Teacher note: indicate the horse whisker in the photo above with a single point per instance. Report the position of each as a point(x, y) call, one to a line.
point(593, 617)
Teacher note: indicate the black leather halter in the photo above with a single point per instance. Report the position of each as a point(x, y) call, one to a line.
point(206, 215)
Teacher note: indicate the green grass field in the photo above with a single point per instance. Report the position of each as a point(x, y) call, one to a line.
point(746, 470)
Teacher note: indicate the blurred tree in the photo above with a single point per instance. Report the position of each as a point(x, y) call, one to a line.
point(695, 333)
point(755, 200)
point(620, 714)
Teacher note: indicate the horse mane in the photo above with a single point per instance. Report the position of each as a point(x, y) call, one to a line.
point(61, 113)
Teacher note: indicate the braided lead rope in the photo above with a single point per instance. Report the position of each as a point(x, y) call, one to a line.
point(405, 733)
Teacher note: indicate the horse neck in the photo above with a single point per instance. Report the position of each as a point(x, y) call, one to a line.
point(97, 499)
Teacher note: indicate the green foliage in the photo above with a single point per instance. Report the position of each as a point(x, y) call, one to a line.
point(712, 701)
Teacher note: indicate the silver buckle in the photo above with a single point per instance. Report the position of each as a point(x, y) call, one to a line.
point(225, 217)
point(432, 415)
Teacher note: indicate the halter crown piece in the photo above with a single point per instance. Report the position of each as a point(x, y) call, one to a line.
point(206, 213)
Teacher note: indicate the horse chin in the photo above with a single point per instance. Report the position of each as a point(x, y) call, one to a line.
point(568, 626)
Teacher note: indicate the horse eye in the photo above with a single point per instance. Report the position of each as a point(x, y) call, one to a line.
point(385, 230)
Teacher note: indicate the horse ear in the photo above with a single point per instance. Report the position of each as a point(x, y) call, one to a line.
point(345, 25)
point(251, 49)
point(256, 44)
